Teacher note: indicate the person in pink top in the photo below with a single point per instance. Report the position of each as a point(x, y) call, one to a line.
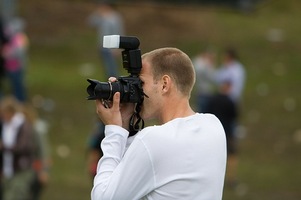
point(14, 53)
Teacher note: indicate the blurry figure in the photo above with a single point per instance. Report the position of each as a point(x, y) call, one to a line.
point(14, 53)
point(94, 150)
point(17, 150)
point(222, 106)
point(42, 161)
point(232, 71)
point(3, 41)
point(107, 21)
point(204, 65)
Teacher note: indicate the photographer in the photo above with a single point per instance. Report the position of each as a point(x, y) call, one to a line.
point(182, 158)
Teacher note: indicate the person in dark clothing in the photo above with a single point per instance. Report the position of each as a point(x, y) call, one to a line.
point(3, 42)
point(226, 110)
point(17, 149)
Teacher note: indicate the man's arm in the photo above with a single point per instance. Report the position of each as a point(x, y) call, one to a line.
point(122, 175)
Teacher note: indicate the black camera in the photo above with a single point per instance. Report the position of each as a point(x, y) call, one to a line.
point(130, 87)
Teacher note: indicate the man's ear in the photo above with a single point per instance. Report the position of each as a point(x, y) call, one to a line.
point(166, 82)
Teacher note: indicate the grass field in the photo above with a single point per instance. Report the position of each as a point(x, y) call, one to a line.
point(63, 55)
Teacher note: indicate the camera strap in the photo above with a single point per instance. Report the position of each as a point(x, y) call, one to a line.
point(136, 122)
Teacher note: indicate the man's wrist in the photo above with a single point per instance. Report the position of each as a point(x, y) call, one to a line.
point(114, 129)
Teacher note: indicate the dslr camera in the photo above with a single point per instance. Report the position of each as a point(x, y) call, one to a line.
point(130, 87)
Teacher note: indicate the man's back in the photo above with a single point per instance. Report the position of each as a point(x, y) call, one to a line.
point(188, 158)
point(182, 159)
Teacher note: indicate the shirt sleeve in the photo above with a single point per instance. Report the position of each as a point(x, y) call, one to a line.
point(122, 174)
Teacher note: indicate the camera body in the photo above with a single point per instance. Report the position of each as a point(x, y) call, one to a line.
point(130, 87)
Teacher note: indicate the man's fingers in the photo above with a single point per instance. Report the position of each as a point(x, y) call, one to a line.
point(101, 104)
point(116, 100)
point(112, 79)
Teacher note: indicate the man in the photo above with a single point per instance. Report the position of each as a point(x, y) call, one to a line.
point(183, 158)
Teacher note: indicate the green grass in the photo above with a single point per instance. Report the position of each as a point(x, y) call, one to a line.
point(270, 162)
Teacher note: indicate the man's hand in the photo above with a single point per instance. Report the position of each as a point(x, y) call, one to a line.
point(114, 113)
point(109, 112)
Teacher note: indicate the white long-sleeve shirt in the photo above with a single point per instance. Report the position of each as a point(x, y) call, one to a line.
point(182, 159)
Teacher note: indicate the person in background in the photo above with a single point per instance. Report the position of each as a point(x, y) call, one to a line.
point(233, 71)
point(14, 53)
point(42, 161)
point(3, 41)
point(183, 157)
point(225, 109)
point(204, 64)
point(94, 151)
point(107, 21)
point(17, 150)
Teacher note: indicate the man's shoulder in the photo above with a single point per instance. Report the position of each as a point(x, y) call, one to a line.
point(167, 128)
point(149, 131)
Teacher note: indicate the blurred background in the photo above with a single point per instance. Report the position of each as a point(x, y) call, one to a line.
point(63, 53)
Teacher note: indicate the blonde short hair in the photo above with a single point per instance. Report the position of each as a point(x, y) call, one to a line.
point(176, 64)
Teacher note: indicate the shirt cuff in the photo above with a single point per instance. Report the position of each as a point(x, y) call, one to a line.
point(114, 129)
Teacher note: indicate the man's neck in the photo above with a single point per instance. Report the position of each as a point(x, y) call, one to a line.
point(176, 108)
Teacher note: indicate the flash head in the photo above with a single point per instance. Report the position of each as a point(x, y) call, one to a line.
point(120, 42)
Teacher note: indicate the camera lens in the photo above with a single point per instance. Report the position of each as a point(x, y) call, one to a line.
point(102, 90)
